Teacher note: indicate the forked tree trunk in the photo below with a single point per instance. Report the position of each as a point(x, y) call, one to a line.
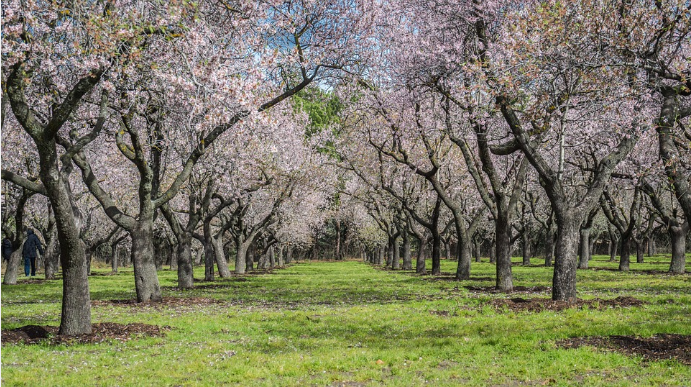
point(76, 302)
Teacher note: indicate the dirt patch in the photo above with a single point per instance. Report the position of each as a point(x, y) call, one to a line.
point(35, 334)
point(516, 289)
point(166, 302)
point(658, 347)
point(208, 285)
point(540, 304)
point(33, 280)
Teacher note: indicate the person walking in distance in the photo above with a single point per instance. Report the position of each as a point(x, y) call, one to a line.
point(29, 252)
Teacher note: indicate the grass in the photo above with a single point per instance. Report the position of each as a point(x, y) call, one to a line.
point(349, 324)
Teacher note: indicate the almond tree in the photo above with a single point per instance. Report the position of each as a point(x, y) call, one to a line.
point(54, 55)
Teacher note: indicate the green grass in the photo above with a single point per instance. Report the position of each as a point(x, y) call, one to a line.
point(346, 323)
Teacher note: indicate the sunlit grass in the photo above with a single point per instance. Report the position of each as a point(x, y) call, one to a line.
point(346, 323)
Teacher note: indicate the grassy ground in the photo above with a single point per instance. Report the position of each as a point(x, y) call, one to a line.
point(348, 324)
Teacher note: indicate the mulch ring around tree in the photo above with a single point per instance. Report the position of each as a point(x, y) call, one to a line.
point(165, 302)
point(35, 334)
point(516, 289)
point(658, 347)
point(540, 304)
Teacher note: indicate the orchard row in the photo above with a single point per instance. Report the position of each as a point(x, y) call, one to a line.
point(270, 128)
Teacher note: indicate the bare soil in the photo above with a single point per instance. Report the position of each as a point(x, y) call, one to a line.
point(658, 347)
point(35, 334)
point(516, 289)
point(519, 304)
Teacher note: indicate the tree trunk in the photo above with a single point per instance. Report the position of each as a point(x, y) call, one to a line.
point(464, 258)
point(525, 241)
point(678, 236)
point(613, 248)
point(492, 252)
point(145, 276)
point(13, 265)
point(51, 258)
point(184, 262)
point(89, 256)
point(114, 257)
point(436, 254)
point(337, 253)
point(209, 256)
point(241, 255)
point(407, 259)
point(564, 278)
point(549, 247)
point(504, 280)
point(174, 257)
point(651, 246)
point(463, 251)
point(220, 257)
point(584, 248)
point(389, 253)
point(476, 249)
point(289, 255)
point(625, 257)
point(76, 302)
point(640, 252)
point(420, 263)
point(395, 262)
point(279, 257)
